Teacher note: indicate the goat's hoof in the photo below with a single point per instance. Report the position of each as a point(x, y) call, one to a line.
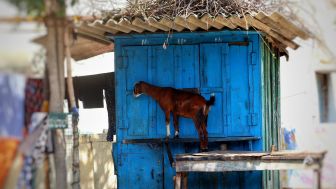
point(176, 136)
point(204, 150)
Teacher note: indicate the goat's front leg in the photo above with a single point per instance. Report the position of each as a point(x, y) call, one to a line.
point(176, 127)
point(168, 123)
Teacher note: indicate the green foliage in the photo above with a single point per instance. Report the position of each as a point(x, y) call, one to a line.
point(31, 7)
point(37, 7)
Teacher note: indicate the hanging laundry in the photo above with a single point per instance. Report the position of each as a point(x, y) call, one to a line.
point(33, 149)
point(89, 89)
point(11, 103)
point(34, 98)
point(11, 119)
point(110, 105)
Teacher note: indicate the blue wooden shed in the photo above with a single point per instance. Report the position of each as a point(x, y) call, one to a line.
point(240, 67)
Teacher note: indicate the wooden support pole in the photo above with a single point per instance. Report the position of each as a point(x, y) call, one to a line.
point(178, 180)
point(317, 181)
point(71, 98)
point(185, 180)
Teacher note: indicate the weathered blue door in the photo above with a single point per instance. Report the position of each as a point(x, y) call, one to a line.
point(225, 72)
point(239, 97)
point(136, 123)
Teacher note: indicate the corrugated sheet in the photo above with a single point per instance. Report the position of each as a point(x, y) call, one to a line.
point(279, 31)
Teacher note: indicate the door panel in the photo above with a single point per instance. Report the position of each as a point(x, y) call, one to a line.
point(187, 77)
point(141, 167)
point(163, 76)
point(137, 109)
point(213, 81)
point(239, 90)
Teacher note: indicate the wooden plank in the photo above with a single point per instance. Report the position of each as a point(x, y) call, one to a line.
point(92, 35)
point(198, 22)
point(226, 22)
point(210, 21)
point(251, 165)
point(171, 24)
point(141, 24)
point(156, 24)
point(317, 179)
point(91, 38)
point(262, 27)
point(184, 22)
point(269, 22)
point(276, 17)
point(187, 140)
point(299, 153)
point(114, 25)
point(127, 24)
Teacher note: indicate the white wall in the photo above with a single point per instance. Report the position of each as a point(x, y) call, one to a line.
point(299, 95)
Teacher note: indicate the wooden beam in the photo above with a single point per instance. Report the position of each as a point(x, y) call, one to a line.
point(93, 35)
point(276, 17)
point(152, 22)
point(210, 21)
point(178, 179)
point(278, 28)
point(198, 22)
point(85, 35)
point(268, 30)
point(141, 24)
point(239, 165)
point(184, 23)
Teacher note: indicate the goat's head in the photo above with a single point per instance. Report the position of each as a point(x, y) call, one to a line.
point(138, 89)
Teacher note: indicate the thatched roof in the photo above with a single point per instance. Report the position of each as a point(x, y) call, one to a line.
point(163, 16)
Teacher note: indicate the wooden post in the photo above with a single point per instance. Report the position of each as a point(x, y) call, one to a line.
point(178, 180)
point(71, 98)
point(55, 63)
point(317, 181)
point(185, 180)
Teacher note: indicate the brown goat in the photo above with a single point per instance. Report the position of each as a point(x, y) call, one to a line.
point(180, 103)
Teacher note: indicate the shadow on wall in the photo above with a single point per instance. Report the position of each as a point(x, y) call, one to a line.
point(96, 163)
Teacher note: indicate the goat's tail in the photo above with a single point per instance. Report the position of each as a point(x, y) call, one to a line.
point(209, 103)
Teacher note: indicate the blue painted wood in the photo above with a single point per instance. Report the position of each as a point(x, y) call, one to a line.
point(140, 167)
point(210, 62)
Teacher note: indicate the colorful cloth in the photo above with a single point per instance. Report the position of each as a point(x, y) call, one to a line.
point(8, 148)
point(11, 105)
point(34, 98)
point(33, 148)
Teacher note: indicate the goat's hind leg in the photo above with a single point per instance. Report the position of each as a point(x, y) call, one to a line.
point(167, 124)
point(176, 127)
